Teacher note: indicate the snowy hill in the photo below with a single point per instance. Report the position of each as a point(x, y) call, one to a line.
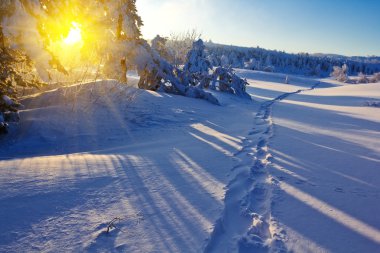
point(294, 170)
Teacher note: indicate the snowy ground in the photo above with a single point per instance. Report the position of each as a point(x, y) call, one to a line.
point(296, 170)
point(326, 166)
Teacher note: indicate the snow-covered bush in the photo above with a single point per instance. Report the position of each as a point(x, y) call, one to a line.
point(7, 116)
point(225, 80)
point(340, 73)
point(155, 73)
point(251, 64)
point(6, 103)
point(375, 78)
point(362, 78)
point(197, 92)
point(372, 103)
point(197, 72)
point(268, 69)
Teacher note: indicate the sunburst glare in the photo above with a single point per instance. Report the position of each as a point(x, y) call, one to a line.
point(75, 34)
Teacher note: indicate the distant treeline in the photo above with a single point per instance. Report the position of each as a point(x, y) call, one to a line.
point(279, 61)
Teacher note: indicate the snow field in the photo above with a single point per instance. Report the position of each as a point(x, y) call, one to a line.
point(294, 170)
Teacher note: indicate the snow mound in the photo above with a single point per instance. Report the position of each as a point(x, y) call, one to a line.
point(70, 118)
point(94, 115)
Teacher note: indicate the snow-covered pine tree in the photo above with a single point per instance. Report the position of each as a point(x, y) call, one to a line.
point(130, 23)
point(126, 37)
point(17, 48)
point(197, 68)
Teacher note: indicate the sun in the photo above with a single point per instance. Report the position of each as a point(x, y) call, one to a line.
point(75, 34)
point(70, 44)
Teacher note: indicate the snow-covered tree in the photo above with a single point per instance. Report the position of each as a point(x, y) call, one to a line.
point(21, 51)
point(197, 68)
point(157, 74)
point(125, 24)
point(179, 44)
point(159, 45)
point(198, 72)
point(340, 73)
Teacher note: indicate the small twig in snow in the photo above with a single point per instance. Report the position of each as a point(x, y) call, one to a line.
point(111, 224)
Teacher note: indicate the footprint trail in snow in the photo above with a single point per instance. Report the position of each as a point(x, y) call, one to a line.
point(246, 224)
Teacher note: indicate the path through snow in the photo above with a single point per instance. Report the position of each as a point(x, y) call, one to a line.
point(246, 224)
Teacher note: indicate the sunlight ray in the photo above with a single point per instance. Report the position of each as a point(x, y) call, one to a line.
point(337, 215)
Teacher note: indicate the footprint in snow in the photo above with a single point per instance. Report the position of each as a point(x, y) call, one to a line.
point(255, 131)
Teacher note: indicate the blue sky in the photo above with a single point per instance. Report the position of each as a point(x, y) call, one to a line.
point(349, 27)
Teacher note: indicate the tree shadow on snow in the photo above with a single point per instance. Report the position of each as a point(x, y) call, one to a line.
point(330, 178)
